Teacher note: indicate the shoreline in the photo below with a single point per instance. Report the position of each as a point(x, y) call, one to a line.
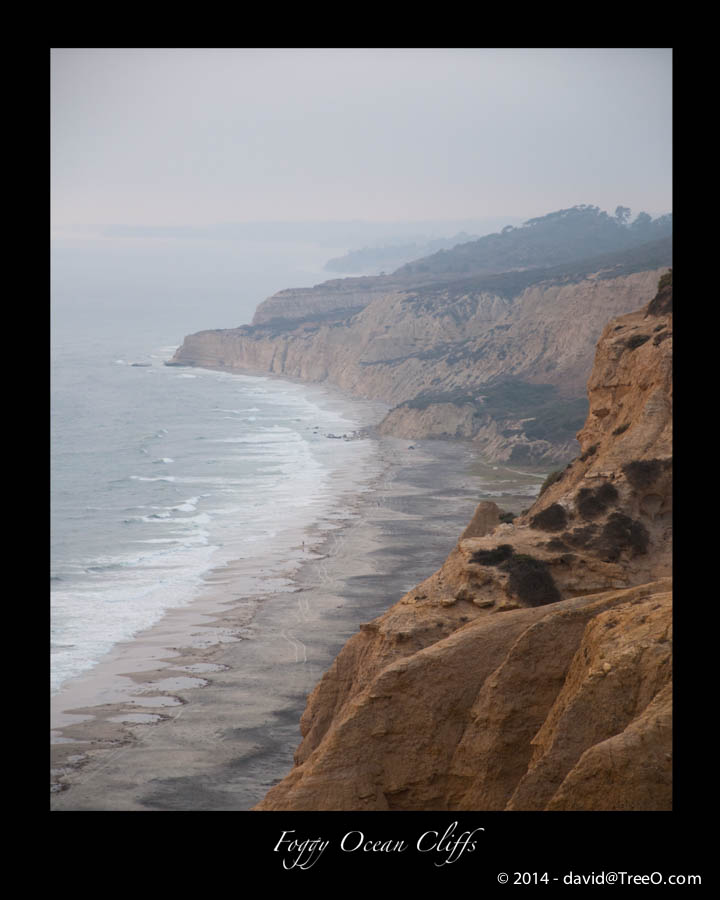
point(202, 711)
point(332, 472)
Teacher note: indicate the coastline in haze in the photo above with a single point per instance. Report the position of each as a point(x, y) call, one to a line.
point(157, 475)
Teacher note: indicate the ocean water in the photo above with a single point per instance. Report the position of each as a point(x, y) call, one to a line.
point(160, 474)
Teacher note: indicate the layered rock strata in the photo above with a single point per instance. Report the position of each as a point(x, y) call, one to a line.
point(533, 670)
point(431, 354)
point(337, 295)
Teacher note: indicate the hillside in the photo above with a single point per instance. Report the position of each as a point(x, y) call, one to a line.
point(533, 671)
point(487, 357)
point(564, 237)
point(550, 240)
point(380, 259)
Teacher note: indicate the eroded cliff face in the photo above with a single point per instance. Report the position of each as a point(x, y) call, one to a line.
point(533, 670)
point(337, 295)
point(431, 352)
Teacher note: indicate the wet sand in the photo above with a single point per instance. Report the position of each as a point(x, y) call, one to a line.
point(202, 711)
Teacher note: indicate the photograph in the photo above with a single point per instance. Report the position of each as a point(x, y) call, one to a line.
point(361, 441)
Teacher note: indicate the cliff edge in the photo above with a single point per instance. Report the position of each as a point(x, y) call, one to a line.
point(533, 671)
point(490, 360)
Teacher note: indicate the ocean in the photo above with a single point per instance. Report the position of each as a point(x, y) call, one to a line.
point(216, 537)
point(161, 474)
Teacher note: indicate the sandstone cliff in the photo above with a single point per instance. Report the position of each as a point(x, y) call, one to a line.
point(533, 670)
point(492, 359)
point(344, 295)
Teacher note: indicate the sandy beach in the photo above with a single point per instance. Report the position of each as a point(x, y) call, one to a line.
point(202, 711)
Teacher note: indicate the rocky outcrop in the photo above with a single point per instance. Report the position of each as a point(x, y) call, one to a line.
point(533, 670)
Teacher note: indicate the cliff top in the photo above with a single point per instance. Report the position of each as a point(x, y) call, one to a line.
point(562, 246)
point(558, 237)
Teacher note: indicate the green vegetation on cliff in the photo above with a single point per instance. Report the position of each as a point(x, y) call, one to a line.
point(559, 237)
point(641, 258)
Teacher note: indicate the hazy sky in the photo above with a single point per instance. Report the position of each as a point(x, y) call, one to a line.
point(177, 136)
